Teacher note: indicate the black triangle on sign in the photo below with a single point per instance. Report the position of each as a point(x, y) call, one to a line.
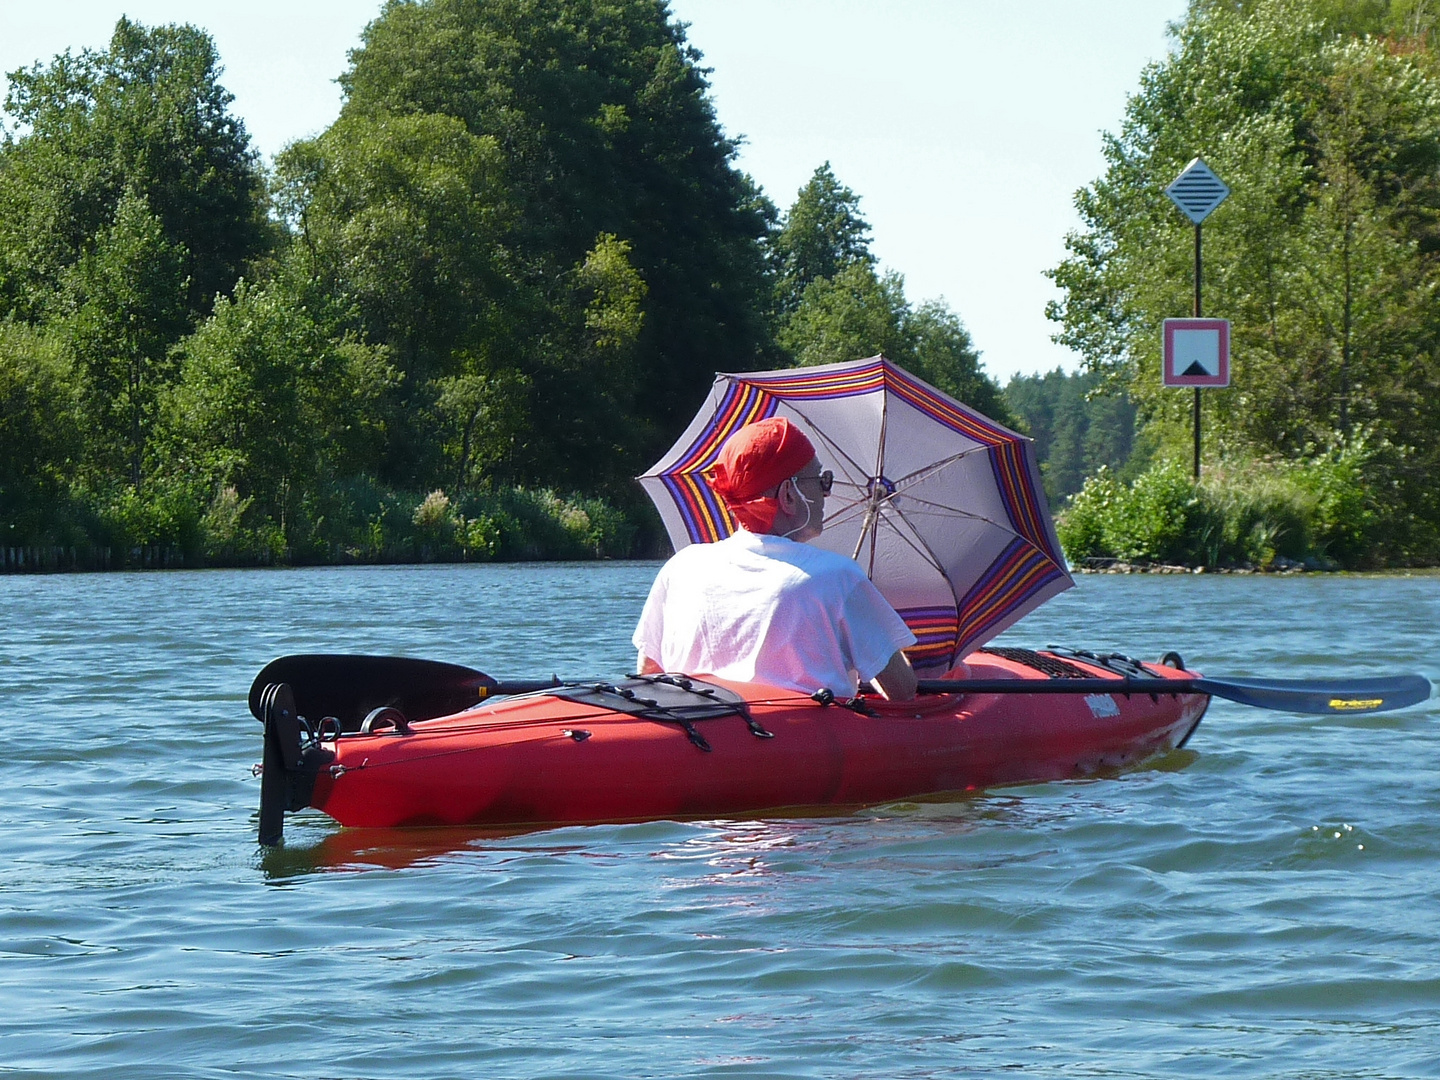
point(1195, 368)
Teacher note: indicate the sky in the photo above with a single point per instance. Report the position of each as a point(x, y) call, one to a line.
point(965, 126)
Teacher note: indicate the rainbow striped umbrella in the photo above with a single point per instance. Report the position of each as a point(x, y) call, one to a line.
point(941, 506)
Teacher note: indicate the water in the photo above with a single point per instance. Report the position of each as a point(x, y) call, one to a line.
point(1262, 904)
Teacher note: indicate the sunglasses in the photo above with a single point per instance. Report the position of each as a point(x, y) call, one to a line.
point(826, 478)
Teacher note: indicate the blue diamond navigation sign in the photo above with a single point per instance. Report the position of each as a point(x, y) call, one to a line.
point(1197, 191)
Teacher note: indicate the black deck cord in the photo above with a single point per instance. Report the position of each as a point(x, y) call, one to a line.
point(1127, 667)
point(1049, 665)
point(825, 697)
point(691, 731)
point(742, 708)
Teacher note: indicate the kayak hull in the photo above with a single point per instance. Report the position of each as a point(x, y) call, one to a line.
point(541, 760)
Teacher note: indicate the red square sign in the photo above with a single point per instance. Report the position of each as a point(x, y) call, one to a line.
point(1197, 352)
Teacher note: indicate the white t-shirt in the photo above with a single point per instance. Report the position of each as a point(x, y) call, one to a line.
point(760, 608)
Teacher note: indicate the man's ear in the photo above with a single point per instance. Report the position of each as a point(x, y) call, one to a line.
point(788, 498)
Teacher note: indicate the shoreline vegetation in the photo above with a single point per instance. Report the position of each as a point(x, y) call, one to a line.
point(455, 324)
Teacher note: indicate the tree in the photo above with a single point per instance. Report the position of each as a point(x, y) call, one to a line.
point(403, 217)
point(835, 306)
point(855, 313)
point(400, 225)
point(1324, 258)
point(940, 351)
point(128, 299)
point(599, 113)
point(38, 434)
point(271, 407)
point(823, 233)
point(1077, 429)
point(147, 117)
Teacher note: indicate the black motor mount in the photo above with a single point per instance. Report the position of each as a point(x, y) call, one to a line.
point(292, 758)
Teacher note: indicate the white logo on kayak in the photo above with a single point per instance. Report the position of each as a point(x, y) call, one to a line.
point(1102, 705)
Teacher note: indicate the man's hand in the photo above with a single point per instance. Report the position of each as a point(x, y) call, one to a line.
point(897, 682)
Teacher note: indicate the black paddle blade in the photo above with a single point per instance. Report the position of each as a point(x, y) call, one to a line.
point(1327, 697)
point(349, 687)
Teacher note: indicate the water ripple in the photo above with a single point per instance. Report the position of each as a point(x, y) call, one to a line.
point(1260, 904)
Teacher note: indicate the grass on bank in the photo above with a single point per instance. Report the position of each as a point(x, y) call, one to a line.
point(1320, 513)
point(356, 522)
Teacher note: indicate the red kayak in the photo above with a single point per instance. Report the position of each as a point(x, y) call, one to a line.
point(668, 747)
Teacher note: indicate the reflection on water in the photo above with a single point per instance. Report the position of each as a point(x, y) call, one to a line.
point(1254, 905)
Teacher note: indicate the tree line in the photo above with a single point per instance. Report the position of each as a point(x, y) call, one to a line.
point(1077, 426)
point(1323, 117)
point(457, 321)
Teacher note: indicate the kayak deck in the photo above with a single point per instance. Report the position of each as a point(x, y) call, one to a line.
point(598, 755)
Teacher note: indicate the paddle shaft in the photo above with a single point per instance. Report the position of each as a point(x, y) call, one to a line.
point(349, 686)
point(1060, 686)
point(1314, 696)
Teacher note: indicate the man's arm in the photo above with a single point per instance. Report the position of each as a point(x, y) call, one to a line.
point(897, 681)
point(646, 666)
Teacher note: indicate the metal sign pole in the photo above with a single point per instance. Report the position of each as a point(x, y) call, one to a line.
point(1197, 389)
point(1197, 191)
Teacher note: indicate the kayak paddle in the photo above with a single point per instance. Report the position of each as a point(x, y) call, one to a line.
point(1316, 696)
point(349, 686)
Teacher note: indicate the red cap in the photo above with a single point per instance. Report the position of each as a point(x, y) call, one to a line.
point(753, 460)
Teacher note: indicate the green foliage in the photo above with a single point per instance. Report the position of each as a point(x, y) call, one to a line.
point(401, 216)
point(615, 314)
point(128, 298)
point(833, 306)
point(271, 406)
point(1326, 257)
point(227, 538)
point(38, 436)
point(129, 198)
point(599, 114)
point(164, 514)
point(483, 417)
point(823, 234)
point(1245, 512)
point(855, 313)
point(1078, 428)
point(540, 524)
point(1147, 521)
point(146, 118)
point(498, 523)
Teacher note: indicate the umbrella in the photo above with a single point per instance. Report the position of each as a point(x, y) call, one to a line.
point(940, 505)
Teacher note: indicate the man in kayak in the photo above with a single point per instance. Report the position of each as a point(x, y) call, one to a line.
point(763, 605)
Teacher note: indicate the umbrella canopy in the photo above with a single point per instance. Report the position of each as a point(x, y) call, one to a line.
point(940, 505)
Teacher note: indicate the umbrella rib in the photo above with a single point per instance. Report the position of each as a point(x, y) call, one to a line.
point(860, 469)
point(930, 470)
point(1003, 525)
point(872, 513)
point(847, 511)
point(921, 548)
point(815, 428)
point(844, 513)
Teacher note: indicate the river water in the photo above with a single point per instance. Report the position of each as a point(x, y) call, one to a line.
point(1265, 903)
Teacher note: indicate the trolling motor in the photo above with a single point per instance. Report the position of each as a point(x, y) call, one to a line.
point(292, 758)
point(353, 694)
